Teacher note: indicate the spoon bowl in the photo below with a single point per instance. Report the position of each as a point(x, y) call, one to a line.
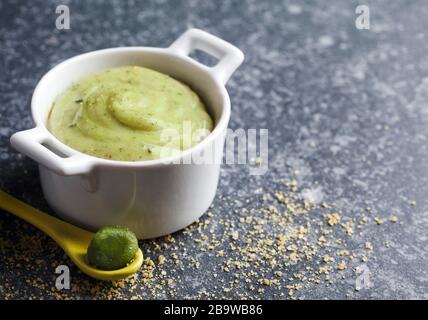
point(73, 240)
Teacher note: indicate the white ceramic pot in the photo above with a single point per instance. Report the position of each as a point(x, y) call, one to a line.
point(152, 198)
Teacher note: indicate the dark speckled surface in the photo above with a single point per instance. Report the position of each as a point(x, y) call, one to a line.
point(346, 108)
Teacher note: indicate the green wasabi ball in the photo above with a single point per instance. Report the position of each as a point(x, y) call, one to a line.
point(112, 248)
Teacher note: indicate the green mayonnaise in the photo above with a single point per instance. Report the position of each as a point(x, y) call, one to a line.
point(112, 248)
point(130, 114)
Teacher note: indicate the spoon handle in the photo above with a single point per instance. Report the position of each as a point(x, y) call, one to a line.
point(53, 227)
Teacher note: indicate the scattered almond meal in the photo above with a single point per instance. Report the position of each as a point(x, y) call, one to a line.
point(333, 218)
point(378, 221)
point(276, 245)
point(258, 162)
point(393, 219)
point(327, 258)
point(342, 265)
point(368, 246)
point(161, 259)
point(235, 235)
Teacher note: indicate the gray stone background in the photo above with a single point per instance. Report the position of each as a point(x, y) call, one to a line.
point(346, 108)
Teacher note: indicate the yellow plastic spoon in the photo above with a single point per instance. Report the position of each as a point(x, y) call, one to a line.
point(73, 240)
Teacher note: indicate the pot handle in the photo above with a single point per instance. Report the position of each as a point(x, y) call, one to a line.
point(229, 56)
point(34, 143)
